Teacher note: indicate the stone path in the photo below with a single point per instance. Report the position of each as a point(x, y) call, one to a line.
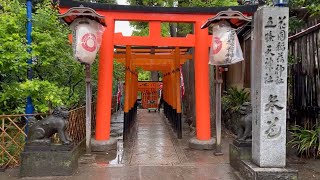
point(152, 151)
point(152, 142)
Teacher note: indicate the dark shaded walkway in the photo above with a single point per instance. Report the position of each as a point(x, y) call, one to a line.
point(151, 152)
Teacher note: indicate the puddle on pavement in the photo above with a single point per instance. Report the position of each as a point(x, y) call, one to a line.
point(114, 157)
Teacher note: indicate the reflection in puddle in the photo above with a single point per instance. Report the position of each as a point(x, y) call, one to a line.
point(114, 157)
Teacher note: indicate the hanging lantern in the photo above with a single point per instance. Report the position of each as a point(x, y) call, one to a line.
point(225, 48)
point(87, 28)
point(87, 35)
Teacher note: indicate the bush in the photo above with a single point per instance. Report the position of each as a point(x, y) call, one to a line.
point(306, 141)
point(234, 98)
point(231, 103)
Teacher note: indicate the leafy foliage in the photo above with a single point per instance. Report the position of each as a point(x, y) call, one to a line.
point(58, 79)
point(306, 141)
point(313, 6)
point(118, 74)
point(234, 98)
point(144, 76)
point(45, 94)
point(300, 11)
point(13, 52)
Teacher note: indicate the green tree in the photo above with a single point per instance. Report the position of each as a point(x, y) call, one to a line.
point(57, 78)
point(313, 6)
point(300, 11)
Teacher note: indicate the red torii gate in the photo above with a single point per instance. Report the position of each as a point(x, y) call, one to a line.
point(155, 16)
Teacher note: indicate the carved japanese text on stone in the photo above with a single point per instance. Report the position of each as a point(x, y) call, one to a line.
point(274, 130)
point(273, 104)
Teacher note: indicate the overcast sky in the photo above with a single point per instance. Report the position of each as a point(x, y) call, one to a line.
point(123, 26)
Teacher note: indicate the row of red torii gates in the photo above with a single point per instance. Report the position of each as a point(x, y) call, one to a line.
point(168, 62)
point(164, 59)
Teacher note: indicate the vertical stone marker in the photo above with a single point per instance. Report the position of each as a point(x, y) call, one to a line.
point(269, 86)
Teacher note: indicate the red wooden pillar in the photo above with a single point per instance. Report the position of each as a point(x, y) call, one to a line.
point(105, 83)
point(202, 83)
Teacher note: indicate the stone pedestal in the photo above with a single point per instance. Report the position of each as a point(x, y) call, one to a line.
point(240, 160)
point(194, 143)
point(239, 150)
point(104, 145)
point(250, 171)
point(49, 160)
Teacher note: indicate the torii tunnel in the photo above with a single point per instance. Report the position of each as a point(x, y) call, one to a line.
point(164, 54)
point(164, 59)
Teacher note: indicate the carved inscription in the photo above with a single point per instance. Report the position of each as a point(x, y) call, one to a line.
point(275, 68)
point(269, 36)
point(273, 104)
point(274, 130)
point(275, 38)
point(270, 23)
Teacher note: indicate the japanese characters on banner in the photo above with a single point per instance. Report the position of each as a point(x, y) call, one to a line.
point(225, 48)
point(87, 35)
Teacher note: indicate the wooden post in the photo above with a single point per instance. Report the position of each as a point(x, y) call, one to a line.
point(178, 92)
point(218, 150)
point(127, 91)
point(88, 108)
point(105, 83)
point(202, 83)
point(173, 93)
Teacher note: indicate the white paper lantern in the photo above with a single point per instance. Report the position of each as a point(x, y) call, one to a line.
point(86, 40)
point(225, 47)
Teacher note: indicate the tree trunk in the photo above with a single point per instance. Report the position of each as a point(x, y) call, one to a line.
point(154, 76)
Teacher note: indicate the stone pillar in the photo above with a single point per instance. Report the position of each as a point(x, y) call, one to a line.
point(269, 86)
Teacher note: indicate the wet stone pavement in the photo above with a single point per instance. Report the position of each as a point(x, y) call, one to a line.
point(151, 151)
